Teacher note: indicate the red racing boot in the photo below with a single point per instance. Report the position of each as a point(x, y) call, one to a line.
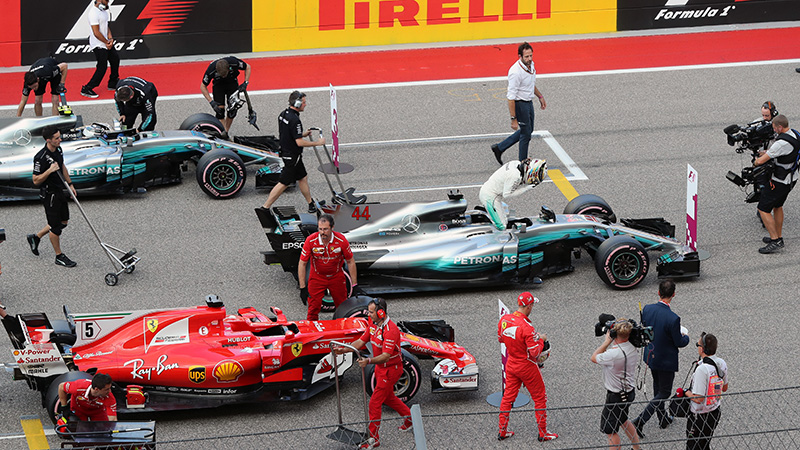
point(547, 436)
point(504, 434)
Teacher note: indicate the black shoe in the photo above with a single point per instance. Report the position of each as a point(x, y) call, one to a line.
point(638, 427)
point(497, 153)
point(33, 241)
point(89, 92)
point(797, 70)
point(62, 260)
point(112, 85)
point(772, 247)
point(312, 208)
point(667, 421)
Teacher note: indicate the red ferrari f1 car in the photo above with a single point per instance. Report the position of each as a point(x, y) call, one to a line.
point(204, 357)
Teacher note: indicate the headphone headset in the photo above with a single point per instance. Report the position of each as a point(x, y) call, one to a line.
point(773, 111)
point(380, 308)
point(296, 99)
point(703, 334)
point(612, 333)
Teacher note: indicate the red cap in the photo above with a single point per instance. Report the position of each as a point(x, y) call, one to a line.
point(526, 298)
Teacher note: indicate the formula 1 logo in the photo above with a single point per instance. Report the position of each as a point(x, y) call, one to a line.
point(165, 16)
point(693, 13)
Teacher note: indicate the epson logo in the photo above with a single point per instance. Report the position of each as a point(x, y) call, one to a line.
point(291, 245)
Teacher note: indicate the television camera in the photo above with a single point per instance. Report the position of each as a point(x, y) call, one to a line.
point(754, 138)
point(640, 335)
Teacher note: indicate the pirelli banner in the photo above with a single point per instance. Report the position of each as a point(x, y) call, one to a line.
point(142, 28)
point(649, 14)
point(295, 24)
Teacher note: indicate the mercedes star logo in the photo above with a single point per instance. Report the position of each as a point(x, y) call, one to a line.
point(410, 223)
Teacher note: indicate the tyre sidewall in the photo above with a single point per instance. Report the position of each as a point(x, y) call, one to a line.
point(610, 251)
point(215, 160)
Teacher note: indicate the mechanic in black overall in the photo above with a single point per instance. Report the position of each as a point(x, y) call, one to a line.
point(42, 72)
point(136, 96)
point(291, 139)
point(224, 72)
point(49, 160)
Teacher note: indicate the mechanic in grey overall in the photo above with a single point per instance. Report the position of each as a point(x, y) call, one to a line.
point(291, 134)
point(49, 160)
point(784, 176)
point(618, 358)
point(43, 72)
point(521, 89)
point(224, 73)
point(102, 43)
point(506, 182)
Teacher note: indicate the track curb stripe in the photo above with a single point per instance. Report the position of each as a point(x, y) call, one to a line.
point(34, 433)
point(563, 185)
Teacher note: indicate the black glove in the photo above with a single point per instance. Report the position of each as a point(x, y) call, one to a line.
point(218, 108)
point(357, 291)
point(304, 295)
point(62, 89)
point(63, 410)
point(243, 86)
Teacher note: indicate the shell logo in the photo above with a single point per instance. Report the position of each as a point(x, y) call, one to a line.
point(16, 352)
point(227, 371)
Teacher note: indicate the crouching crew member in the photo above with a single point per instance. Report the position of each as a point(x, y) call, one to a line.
point(88, 399)
point(524, 345)
point(43, 72)
point(136, 96)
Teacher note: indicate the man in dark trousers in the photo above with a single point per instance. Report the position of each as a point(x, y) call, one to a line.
point(43, 72)
point(49, 160)
point(136, 96)
point(661, 355)
point(102, 43)
point(224, 73)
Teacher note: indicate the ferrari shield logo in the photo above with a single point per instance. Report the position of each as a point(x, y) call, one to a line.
point(504, 325)
point(297, 348)
point(152, 325)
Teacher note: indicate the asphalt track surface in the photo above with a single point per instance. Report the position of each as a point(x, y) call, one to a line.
point(631, 133)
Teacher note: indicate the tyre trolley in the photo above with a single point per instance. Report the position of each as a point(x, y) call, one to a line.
point(116, 435)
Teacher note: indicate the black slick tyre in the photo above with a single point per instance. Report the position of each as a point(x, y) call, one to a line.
point(621, 262)
point(591, 205)
point(205, 123)
point(221, 173)
point(408, 384)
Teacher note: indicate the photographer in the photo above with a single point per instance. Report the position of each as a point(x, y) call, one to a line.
point(618, 358)
point(784, 151)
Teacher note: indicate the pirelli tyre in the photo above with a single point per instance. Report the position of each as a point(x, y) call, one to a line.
point(51, 395)
point(205, 123)
point(353, 307)
point(408, 384)
point(591, 205)
point(621, 262)
point(221, 173)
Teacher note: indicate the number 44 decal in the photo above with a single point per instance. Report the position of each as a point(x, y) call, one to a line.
point(359, 214)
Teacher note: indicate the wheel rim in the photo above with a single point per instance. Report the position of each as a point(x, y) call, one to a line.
point(626, 266)
point(223, 177)
point(401, 387)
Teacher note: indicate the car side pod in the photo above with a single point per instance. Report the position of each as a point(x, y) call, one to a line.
point(677, 265)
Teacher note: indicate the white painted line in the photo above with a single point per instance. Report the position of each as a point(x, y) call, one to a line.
point(455, 81)
point(47, 432)
point(577, 173)
point(441, 188)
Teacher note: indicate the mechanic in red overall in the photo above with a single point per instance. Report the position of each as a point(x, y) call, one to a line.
point(385, 338)
point(327, 250)
point(88, 399)
point(524, 345)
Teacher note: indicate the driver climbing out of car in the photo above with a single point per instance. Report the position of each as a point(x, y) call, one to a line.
point(87, 399)
point(510, 180)
point(136, 96)
point(327, 250)
point(384, 335)
point(224, 72)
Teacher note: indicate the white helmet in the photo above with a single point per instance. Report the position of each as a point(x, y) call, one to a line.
point(536, 172)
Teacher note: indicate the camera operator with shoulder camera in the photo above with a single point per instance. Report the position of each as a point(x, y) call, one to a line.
point(755, 138)
point(618, 358)
point(784, 152)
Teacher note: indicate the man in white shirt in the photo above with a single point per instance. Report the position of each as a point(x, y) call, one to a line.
point(710, 379)
point(521, 89)
point(618, 358)
point(102, 43)
point(784, 176)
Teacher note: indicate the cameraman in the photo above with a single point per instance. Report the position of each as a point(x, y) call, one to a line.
point(619, 367)
point(784, 176)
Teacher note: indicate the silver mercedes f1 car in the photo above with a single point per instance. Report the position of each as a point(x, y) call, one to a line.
point(104, 159)
point(412, 247)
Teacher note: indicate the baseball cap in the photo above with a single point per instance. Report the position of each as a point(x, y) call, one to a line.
point(526, 298)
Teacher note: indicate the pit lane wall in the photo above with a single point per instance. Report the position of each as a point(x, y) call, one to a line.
point(160, 28)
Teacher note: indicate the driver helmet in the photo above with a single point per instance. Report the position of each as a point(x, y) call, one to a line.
point(536, 172)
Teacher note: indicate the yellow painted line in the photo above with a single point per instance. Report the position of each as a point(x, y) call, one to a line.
point(34, 432)
point(563, 185)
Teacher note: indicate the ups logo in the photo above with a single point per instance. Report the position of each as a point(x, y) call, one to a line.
point(197, 374)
